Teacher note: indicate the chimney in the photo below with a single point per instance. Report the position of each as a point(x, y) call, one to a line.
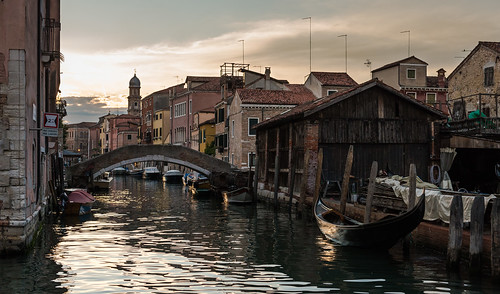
point(441, 78)
point(267, 84)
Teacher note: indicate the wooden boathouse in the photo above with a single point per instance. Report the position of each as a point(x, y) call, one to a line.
point(380, 122)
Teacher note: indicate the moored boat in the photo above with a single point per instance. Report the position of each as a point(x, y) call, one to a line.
point(173, 177)
point(104, 181)
point(78, 202)
point(119, 171)
point(188, 178)
point(381, 234)
point(200, 186)
point(151, 172)
point(137, 172)
point(238, 196)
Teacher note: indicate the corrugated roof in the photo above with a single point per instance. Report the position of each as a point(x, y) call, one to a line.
point(334, 78)
point(297, 94)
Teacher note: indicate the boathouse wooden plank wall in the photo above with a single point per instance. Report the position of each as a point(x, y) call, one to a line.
point(382, 124)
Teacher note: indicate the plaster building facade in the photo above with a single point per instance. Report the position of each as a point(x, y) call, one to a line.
point(198, 94)
point(78, 138)
point(409, 76)
point(322, 84)
point(29, 84)
point(203, 130)
point(252, 106)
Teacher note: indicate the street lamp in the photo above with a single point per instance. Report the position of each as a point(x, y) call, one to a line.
point(345, 37)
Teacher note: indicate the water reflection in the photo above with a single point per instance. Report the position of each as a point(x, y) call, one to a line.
point(148, 237)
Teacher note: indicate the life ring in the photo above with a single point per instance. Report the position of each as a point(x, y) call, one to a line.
point(435, 174)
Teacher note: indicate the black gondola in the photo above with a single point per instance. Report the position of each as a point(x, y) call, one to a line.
point(381, 234)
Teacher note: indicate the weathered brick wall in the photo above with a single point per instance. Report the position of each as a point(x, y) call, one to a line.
point(469, 80)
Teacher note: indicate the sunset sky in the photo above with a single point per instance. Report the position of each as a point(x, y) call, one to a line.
point(104, 41)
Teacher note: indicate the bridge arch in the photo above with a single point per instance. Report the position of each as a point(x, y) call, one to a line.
point(219, 172)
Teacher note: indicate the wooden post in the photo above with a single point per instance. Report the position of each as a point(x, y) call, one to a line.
point(303, 186)
point(345, 180)
point(266, 152)
point(256, 179)
point(413, 187)
point(277, 168)
point(476, 234)
point(455, 234)
point(371, 190)
point(412, 195)
point(291, 187)
point(495, 239)
point(319, 170)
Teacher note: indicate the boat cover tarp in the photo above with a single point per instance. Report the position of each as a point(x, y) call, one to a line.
point(437, 204)
point(80, 196)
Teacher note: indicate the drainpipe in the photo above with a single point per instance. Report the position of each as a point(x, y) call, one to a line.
point(38, 101)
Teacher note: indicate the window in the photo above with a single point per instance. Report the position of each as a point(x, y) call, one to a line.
point(232, 129)
point(190, 106)
point(160, 132)
point(220, 116)
point(412, 95)
point(430, 98)
point(204, 136)
point(330, 92)
point(488, 76)
point(160, 115)
point(251, 159)
point(129, 137)
point(252, 121)
point(411, 73)
point(180, 109)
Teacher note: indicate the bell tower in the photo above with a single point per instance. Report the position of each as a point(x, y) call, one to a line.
point(134, 96)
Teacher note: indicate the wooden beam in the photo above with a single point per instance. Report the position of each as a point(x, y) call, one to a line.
point(476, 235)
point(345, 181)
point(371, 190)
point(495, 239)
point(319, 170)
point(455, 234)
point(277, 168)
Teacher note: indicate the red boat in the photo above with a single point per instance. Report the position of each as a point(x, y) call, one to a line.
point(79, 202)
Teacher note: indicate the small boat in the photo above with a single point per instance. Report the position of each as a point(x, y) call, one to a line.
point(136, 172)
point(152, 173)
point(173, 176)
point(119, 171)
point(200, 186)
point(238, 196)
point(381, 234)
point(188, 178)
point(78, 202)
point(103, 182)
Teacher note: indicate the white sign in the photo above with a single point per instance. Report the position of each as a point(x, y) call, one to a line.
point(50, 125)
point(51, 120)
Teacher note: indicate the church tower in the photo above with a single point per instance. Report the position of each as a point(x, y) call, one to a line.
point(134, 96)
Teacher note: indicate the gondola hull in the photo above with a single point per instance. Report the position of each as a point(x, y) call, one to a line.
point(382, 234)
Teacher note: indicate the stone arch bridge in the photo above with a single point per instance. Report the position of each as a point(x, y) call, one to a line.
point(220, 173)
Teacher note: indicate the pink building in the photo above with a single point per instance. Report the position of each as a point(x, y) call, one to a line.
point(123, 130)
point(198, 94)
point(29, 84)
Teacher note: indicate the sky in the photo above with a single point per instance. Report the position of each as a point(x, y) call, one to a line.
point(105, 41)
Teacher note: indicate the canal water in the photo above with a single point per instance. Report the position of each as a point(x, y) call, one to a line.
point(149, 237)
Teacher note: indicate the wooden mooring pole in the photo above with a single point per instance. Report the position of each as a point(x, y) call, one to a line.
point(371, 190)
point(345, 181)
point(455, 234)
point(495, 239)
point(476, 235)
point(412, 195)
point(319, 170)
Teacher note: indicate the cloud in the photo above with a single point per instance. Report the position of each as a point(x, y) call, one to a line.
point(279, 39)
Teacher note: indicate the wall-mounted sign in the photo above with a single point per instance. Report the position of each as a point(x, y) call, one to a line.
point(50, 124)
